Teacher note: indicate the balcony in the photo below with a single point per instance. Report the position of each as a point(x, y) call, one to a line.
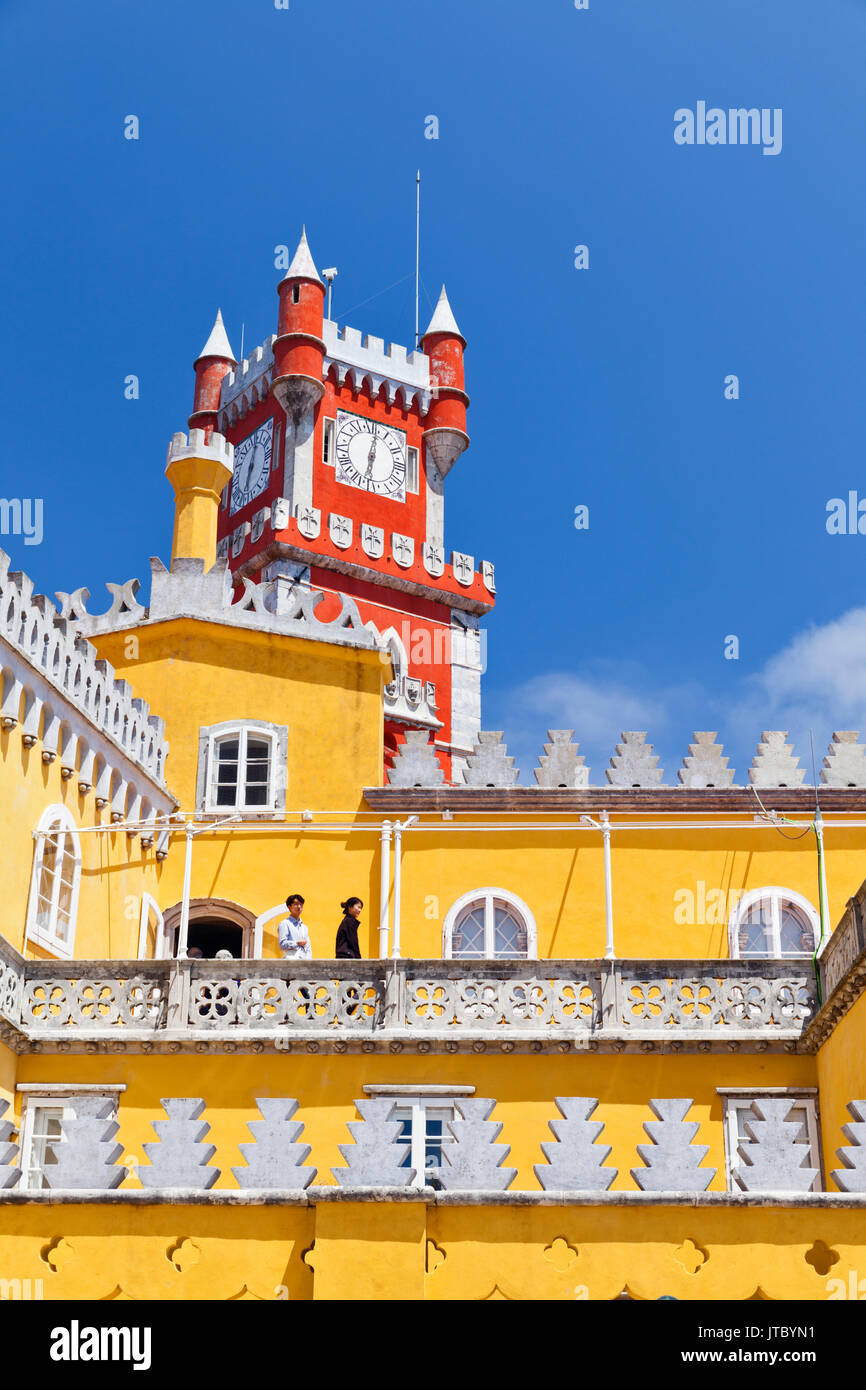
point(413, 1005)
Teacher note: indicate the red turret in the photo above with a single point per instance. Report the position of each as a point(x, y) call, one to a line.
point(214, 361)
point(299, 350)
point(445, 435)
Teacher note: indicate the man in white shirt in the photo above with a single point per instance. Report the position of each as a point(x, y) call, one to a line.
point(292, 934)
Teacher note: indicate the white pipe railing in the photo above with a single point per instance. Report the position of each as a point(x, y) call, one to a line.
point(384, 888)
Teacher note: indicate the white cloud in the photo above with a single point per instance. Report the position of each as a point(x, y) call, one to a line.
point(816, 682)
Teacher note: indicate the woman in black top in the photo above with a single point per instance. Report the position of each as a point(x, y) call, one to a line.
point(347, 932)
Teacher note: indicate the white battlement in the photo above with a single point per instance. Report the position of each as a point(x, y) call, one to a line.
point(217, 448)
point(358, 355)
point(56, 657)
point(246, 379)
point(364, 356)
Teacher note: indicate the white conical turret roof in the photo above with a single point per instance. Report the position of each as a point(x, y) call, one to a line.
point(303, 266)
point(443, 320)
point(218, 344)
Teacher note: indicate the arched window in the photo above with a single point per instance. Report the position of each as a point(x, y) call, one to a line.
point(55, 883)
point(773, 923)
point(242, 767)
point(490, 924)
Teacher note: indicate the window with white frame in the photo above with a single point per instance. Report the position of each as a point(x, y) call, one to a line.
point(424, 1114)
point(424, 1134)
point(42, 1119)
point(411, 470)
point(773, 923)
point(242, 767)
point(55, 882)
point(489, 924)
point(739, 1113)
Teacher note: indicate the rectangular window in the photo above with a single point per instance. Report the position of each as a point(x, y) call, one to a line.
point(242, 768)
point(424, 1135)
point(739, 1112)
point(42, 1129)
point(242, 772)
point(328, 441)
point(44, 1133)
point(411, 470)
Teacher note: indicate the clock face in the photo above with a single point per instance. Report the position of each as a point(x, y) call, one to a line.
point(252, 465)
point(370, 455)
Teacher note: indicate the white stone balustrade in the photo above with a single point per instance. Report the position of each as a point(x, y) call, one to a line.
point(421, 1002)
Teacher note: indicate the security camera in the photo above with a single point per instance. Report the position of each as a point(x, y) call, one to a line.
point(330, 273)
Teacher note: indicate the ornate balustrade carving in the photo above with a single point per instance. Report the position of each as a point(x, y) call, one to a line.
point(846, 945)
point(583, 999)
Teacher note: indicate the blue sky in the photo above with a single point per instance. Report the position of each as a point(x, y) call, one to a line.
point(602, 387)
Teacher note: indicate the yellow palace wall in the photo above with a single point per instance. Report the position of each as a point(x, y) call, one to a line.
point(375, 1250)
point(115, 869)
point(842, 1077)
point(524, 1087)
point(660, 880)
point(418, 1248)
point(330, 697)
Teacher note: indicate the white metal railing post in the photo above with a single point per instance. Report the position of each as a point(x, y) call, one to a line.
point(398, 862)
point(609, 953)
point(384, 888)
point(183, 935)
point(399, 827)
point(822, 876)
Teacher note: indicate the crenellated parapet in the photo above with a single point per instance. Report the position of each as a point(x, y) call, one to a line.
point(367, 361)
point(704, 772)
point(247, 385)
point(60, 692)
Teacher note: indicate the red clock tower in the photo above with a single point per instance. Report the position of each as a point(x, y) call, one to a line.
point(342, 446)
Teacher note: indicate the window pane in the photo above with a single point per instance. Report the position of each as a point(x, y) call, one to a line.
point(436, 1136)
point(227, 772)
point(404, 1137)
point(756, 930)
point(63, 921)
point(46, 1128)
point(468, 938)
point(795, 931)
point(509, 933)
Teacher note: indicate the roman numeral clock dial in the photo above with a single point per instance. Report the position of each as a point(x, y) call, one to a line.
point(252, 465)
point(370, 455)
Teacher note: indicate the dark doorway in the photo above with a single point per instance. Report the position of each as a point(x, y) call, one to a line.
point(212, 934)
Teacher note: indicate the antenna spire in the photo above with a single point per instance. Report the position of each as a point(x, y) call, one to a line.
point(417, 248)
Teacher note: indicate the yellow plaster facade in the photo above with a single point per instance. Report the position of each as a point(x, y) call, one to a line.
point(620, 998)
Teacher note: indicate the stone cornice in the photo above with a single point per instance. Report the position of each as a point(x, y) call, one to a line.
point(561, 800)
point(316, 1195)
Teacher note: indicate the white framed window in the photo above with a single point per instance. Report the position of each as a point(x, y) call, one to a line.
point(773, 923)
point(328, 428)
point(43, 1113)
point(55, 882)
point(489, 924)
point(411, 470)
point(738, 1113)
point(424, 1113)
point(242, 768)
point(424, 1135)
